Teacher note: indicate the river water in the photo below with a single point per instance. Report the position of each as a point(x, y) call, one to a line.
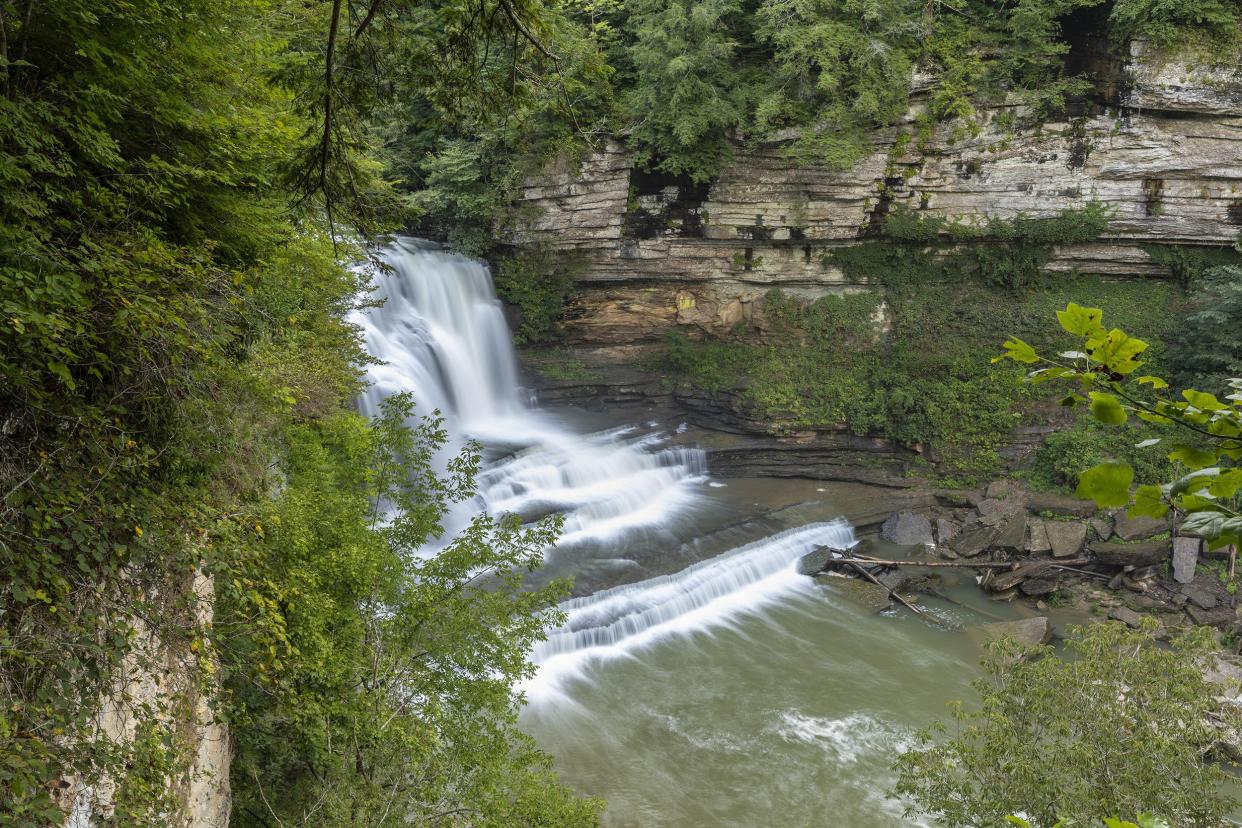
point(699, 680)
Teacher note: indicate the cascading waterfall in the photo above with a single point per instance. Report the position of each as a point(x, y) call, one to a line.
point(707, 593)
point(441, 335)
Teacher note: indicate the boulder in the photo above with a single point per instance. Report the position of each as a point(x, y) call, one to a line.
point(1201, 598)
point(814, 561)
point(1127, 616)
point(1042, 584)
point(1011, 532)
point(1185, 559)
point(1136, 528)
point(864, 593)
point(992, 511)
point(1029, 632)
point(973, 539)
point(1010, 578)
point(1060, 505)
point(1217, 617)
point(1066, 537)
point(1037, 537)
point(1102, 526)
point(946, 530)
point(1131, 554)
point(907, 529)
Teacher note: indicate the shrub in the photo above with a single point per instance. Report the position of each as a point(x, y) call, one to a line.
point(1119, 724)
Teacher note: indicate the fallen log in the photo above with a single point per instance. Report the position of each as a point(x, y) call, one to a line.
point(894, 595)
point(971, 564)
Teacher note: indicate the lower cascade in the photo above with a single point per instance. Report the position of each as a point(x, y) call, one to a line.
point(694, 597)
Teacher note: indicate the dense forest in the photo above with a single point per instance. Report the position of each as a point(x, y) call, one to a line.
point(187, 192)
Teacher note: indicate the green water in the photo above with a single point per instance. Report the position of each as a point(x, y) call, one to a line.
point(787, 716)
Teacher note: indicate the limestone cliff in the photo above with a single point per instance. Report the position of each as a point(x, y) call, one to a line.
point(1160, 144)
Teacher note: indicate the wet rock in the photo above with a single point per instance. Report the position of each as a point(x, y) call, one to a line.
point(1065, 537)
point(1185, 559)
point(1131, 554)
point(864, 593)
point(895, 579)
point(1127, 616)
point(1001, 581)
point(1199, 597)
point(1136, 528)
point(1060, 505)
point(946, 530)
point(814, 561)
point(907, 529)
point(1028, 632)
point(1044, 584)
point(1037, 537)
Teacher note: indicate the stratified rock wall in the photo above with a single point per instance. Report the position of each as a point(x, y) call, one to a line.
point(1166, 157)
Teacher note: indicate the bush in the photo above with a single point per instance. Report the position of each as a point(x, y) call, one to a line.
point(1119, 724)
point(1088, 443)
point(539, 285)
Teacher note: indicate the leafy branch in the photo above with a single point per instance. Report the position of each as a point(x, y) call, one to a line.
point(1105, 369)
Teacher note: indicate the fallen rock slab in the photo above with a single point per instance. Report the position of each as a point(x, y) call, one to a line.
point(1126, 616)
point(1065, 537)
point(814, 561)
point(1185, 559)
point(1131, 554)
point(1037, 537)
point(907, 529)
point(1029, 632)
point(1201, 598)
point(1060, 505)
point(1136, 528)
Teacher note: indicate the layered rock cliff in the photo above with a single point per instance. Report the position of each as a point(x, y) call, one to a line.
point(1159, 143)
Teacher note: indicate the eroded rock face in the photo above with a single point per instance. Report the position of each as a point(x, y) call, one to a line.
point(660, 252)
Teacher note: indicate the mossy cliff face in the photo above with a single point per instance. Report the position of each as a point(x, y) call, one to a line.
point(1159, 146)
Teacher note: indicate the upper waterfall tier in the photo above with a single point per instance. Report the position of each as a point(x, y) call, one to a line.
point(441, 335)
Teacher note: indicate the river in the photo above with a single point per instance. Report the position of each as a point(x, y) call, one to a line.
point(699, 680)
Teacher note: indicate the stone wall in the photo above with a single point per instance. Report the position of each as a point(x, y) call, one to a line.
point(1161, 146)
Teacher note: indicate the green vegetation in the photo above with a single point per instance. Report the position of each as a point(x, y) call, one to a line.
point(926, 382)
point(1119, 724)
point(538, 283)
point(1203, 432)
point(175, 388)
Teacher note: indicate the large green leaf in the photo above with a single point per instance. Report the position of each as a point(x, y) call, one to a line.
point(1081, 321)
point(1117, 351)
point(1193, 457)
point(1106, 409)
point(1018, 351)
point(1108, 484)
point(1148, 502)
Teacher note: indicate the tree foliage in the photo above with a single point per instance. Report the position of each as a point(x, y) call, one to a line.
point(175, 374)
point(1207, 432)
point(1119, 724)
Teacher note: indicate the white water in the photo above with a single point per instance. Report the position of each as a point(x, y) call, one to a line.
point(616, 621)
point(441, 335)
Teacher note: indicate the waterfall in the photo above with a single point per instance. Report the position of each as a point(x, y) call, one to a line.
point(441, 335)
point(707, 593)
